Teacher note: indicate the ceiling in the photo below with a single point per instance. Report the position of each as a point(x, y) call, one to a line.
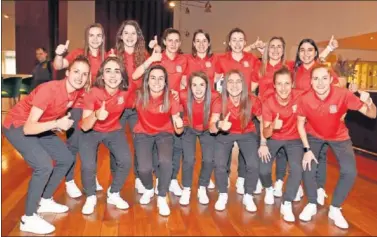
point(364, 42)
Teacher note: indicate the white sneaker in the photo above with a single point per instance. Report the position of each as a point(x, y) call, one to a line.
point(321, 195)
point(202, 195)
point(336, 215)
point(156, 188)
point(185, 198)
point(259, 188)
point(89, 205)
point(278, 188)
point(211, 184)
point(117, 200)
point(269, 196)
point(72, 190)
point(309, 211)
point(249, 203)
point(286, 211)
point(240, 185)
point(221, 202)
point(163, 207)
point(50, 206)
point(175, 188)
point(98, 186)
point(139, 186)
point(36, 224)
point(147, 196)
point(299, 195)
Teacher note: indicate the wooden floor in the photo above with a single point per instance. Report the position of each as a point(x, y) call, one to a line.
point(360, 208)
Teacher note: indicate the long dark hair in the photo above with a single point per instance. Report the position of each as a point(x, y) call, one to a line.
point(86, 44)
point(100, 82)
point(167, 32)
point(207, 97)
point(139, 49)
point(245, 103)
point(193, 49)
point(144, 94)
point(298, 61)
point(234, 30)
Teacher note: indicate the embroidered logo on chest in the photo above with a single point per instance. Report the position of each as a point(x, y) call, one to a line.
point(294, 108)
point(120, 100)
point(208, 64)
point(178, 68)
point(70, 103)
point(333, 109)
point(246, 64)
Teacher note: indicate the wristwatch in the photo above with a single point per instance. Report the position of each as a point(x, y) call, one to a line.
point(306, 149)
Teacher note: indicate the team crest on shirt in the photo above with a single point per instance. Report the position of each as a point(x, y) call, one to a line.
point(294, 108)
point(70, 103)
point(178, 68)
point(246, 64)
point(333, 109)
point(208, 64)
point(120, 100)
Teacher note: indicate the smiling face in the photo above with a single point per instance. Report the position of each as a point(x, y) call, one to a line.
point(307, 53)
point(201, 43)
point(156, 81)
point(172, 43)
point(321, 81)
point(112, 75)
point(78, 74)
point(198, 88)
point(234, 84)
point(283, 86)
point(237, 42)
point(129, 36)
point(95, 37)
point(275, 50)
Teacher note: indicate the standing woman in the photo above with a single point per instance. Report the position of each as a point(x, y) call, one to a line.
point(130, 48)
point(198, 102)
point(280, 123)
point(29, 126)
point(319, 122)
point(158, 119)
point(94, 50)
point(103, 106)
point(235, 124)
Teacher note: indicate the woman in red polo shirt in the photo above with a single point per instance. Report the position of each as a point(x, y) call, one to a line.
point(103, 106)
point(319, 122)
point(130, 48)
point(94, 49)
point(29, 126)
point(235, 124)
point(280, 123)
point(198, 102)
point(158, 119)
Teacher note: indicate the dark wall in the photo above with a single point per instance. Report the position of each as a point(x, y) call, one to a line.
point(153, 17)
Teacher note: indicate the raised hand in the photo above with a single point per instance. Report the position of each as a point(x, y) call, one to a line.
point(64, 123)
point(178, 122)
point(225, 125)
point(153, 43)
point(333, 43)
point(278, 123)
point(62, 48)
point(101, 113)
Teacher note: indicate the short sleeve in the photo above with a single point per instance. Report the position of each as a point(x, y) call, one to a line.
point(175, 106)
point(300, 107)
point(42, 96)
point(353, 102)
point(335, 78)
point(218, 67)
point(130, 98)
point(73, 54)
point(89, 100)
point(255, 76)
point(256, 108)
point(216, 104)
point(266, 113)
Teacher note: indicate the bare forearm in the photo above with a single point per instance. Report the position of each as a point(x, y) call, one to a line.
point(140, 70)
point(88, 122)
point(303, 135)
point(31, 128)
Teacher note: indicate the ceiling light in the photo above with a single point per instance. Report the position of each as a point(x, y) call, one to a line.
point(172, 4)
point(6, 16)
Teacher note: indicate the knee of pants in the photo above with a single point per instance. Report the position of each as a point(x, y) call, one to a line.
point(165, 162)
point(253, 168)
point(296, 169)
point(264, 170)
point(144, 170)
point(86, 167)
point(67, 161)
point(189, 161)
point(44, 170)
point(123, 163)
point(221, 167)
point(349, 171)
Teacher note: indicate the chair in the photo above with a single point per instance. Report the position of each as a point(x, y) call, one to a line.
point(25, 88)
point(10, 88)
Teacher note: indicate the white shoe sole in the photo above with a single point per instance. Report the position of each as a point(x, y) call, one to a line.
point(25, 229)
point(113, 203)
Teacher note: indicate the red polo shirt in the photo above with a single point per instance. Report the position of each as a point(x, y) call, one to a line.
point(302, 77)
point(51, 97)
point(247, 65)
point(114, 104)
point(323, 116)
point(287, 113)
point(206, 65)
point(197, 109)
point(152, 120)
point(95, 62)
point(235, 116)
